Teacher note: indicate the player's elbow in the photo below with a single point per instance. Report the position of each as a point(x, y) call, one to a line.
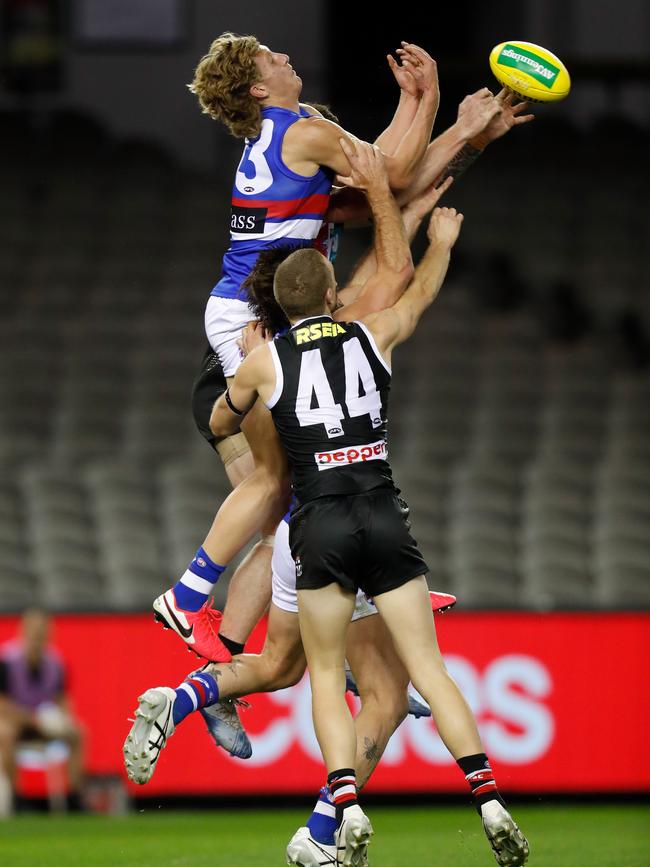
point(400, 177)
point(220, 424)
point(395, 279)
point(405, 273)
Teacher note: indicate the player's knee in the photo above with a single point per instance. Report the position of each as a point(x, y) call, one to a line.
point(277, 488)
point(283, 672)
point(391, 700)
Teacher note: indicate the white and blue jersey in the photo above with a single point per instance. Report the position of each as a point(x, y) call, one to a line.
point(271, 205)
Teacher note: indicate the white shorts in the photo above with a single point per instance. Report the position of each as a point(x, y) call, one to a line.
point(284, 578)
point(225, 318)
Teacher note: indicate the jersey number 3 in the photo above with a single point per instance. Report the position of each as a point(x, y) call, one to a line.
point(313, 383)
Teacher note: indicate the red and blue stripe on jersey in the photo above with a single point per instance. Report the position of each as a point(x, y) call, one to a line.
point(271, 205)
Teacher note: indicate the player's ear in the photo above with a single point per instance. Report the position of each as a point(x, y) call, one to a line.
point(330, 298)
point(259, 90)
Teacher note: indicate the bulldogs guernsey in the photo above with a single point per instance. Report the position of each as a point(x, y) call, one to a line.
point(271, 205)
point(329, 407)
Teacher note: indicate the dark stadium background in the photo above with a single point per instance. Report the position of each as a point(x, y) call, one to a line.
point(521, 413)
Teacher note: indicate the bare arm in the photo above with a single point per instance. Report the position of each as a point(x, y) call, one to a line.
point(412, 216)
point(394, 266)
point(255, 376)
point(313, 141)
point(395, 325)
point(482, 119)
point(409, 99)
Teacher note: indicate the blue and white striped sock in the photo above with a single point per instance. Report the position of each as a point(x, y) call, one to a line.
point(322, 823)
point(198, 691)
point(196, 584)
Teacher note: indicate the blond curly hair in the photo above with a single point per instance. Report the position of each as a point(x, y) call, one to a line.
point(222, 83)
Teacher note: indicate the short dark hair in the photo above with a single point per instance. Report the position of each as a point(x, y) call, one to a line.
point(301, 282)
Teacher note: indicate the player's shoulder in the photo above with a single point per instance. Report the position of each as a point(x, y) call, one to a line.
point(316, 127)
point(313, 112)
point(383, 326)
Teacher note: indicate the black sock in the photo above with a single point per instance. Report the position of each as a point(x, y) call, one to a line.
point(480, 778)
point(343, 789)
point(233, 646)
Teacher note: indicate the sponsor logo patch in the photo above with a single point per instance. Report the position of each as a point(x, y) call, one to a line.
point(532, 64)
point(247, 220)
point(352, 455)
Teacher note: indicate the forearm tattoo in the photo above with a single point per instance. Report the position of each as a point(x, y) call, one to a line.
point(460, 163)
point(371, 750)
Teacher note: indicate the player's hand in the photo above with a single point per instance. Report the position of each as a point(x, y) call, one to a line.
point(367, 166)
point(444, 226)
point(422, 67)
point(428, 199)
point(510, 114)
point(403, 77)
point(252, 336)
point(476, 111)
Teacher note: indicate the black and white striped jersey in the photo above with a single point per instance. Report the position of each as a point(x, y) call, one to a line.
point(330, 407)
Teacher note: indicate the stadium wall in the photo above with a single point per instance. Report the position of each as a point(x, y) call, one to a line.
point(561, 699)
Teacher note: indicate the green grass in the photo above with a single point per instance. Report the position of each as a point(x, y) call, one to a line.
point(560, 836)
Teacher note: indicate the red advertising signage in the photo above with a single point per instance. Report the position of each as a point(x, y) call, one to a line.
point(562, 702)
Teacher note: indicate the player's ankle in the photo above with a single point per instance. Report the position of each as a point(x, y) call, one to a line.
point(480, 779)
point(197, 582)
point(235, 647)
point(343, 790)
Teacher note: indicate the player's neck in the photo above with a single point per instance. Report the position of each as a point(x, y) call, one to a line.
point(302, 319)
point(292, 103)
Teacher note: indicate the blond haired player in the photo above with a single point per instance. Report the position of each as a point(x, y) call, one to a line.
point(280, 195)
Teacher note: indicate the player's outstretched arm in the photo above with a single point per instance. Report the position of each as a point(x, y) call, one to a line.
point(394, 265)
point(255, 377)
point(482, 119)
point(395, 325)
point(412, 216)
point(314, 141)
point(409, 96)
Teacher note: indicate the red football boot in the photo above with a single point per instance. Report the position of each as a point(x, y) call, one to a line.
point(198, 629)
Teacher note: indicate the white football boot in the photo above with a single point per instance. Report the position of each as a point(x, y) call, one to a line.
point(509, 845)
point(304, 851)
point(153, 724)
point(352, 838)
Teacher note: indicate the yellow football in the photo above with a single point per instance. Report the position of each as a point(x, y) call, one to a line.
point(530, 71)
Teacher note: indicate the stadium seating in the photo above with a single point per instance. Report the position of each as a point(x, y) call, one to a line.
point(520, 430)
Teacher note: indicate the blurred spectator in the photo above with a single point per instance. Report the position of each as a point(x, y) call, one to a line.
point(33, 705)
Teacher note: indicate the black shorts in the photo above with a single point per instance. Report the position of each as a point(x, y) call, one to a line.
point(209, 385)
point(360, 541)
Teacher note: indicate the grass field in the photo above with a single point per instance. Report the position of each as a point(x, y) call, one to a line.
point(560, 836)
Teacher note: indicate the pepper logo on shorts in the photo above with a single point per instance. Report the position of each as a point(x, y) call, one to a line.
point(352, 455)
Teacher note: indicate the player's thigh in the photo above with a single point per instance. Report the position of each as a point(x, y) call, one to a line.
point(407, 613)
point(283, 648)
point(377, 668)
